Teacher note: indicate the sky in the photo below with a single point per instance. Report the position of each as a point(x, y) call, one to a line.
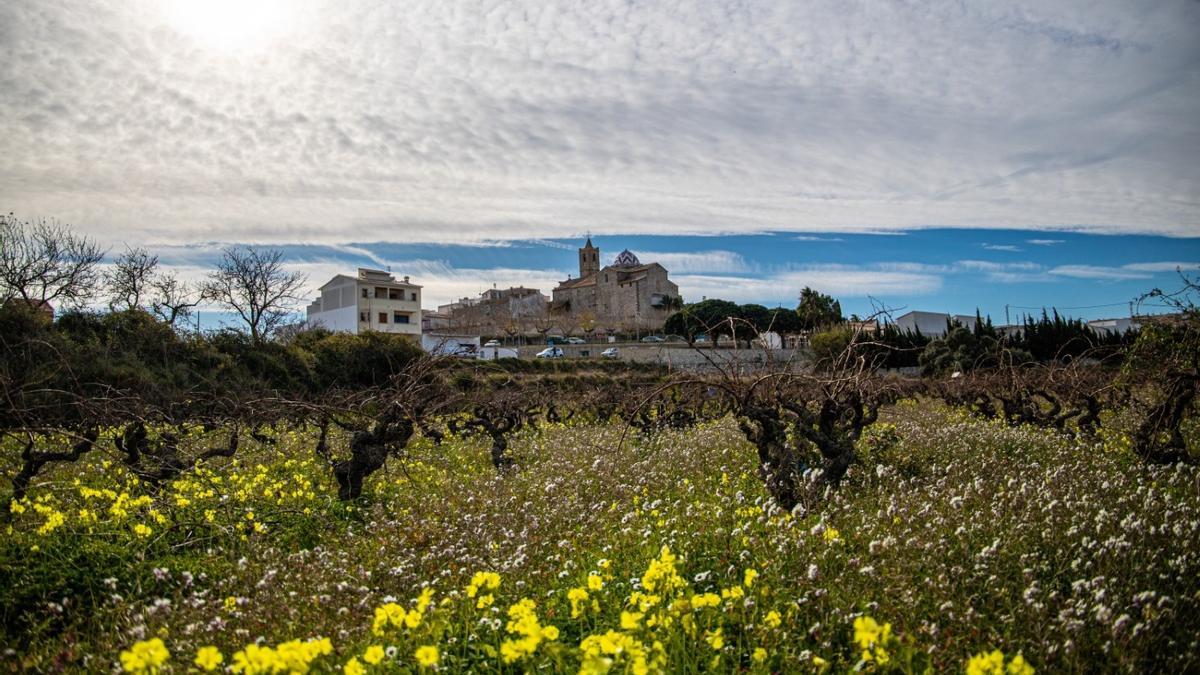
point(929, 155)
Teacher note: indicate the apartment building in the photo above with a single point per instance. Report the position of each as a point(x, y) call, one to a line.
point(373, 300)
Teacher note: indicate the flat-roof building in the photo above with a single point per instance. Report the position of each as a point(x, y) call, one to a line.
point(372, 300)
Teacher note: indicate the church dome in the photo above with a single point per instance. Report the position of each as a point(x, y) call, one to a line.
point(626, 259)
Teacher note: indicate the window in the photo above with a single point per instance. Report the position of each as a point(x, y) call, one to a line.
point(362, 316)
point(399, 318)
point(365, 293)
point(381, 293)
point(383, 317)
point(414, 296)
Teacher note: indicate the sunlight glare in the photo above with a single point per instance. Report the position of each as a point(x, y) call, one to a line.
point(229, 25)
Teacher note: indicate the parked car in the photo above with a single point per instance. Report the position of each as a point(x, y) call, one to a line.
point(492, 343)
point(550, 353)
point(610, 353)
point(576, 341)
point(653, 338)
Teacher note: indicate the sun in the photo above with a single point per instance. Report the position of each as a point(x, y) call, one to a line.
point(229, 25)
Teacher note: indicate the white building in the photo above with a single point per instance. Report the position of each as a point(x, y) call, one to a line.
point(446, 344)
point(1118, 326)
point(932, 324)
point(373, 300)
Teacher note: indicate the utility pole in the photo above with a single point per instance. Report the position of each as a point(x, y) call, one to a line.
point(1007, 321)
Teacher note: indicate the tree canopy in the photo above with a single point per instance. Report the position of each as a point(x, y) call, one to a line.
point(818, 310)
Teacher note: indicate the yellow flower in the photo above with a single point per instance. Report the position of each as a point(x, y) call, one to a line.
point(145, 656)
point(748, 577)
point(208, 658)
point(577, 596)
point(831, 535)
point(424, 600)
point(373, 655)
point(772, 619)
point(631, 620)
point(1019, 666)
point(594, 583)
point(483, 580)
point(867, 631)
point(353, 667)
point(759, 655)
point(427, 656)
point(715, 639)
point(986, 663)
point(413, 619)
point(54, 520)
point(523, 621)
point(992, 663)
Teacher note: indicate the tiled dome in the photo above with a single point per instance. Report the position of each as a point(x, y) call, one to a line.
point(627, 259)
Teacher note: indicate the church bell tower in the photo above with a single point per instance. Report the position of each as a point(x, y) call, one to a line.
point(589, 260)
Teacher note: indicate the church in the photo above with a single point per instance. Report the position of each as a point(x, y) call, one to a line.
point(626, 295)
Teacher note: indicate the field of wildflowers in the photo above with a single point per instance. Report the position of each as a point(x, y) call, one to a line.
point(953, 544)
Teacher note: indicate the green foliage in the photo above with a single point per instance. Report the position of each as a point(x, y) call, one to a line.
point(1052, 338)
point(901, 543)
point(827, 345)
point(818, 310)
point(721, 317)
point(708, 317)
point(367, 360)
point(899, 349)
point(960, 350)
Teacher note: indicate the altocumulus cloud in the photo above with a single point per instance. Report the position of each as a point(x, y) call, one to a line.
point(446, 122)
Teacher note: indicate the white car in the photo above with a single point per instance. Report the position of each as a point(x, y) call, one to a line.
point(576, 341)
point(492, 343)
point(610, 353)
point(550, 353)
point(653, 338)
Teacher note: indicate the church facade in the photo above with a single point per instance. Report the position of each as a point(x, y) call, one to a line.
point(626, 295)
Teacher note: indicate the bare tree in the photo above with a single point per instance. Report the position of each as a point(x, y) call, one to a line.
point(130, 278)
point(43, 261)
point(172, 299)
point(253, 284)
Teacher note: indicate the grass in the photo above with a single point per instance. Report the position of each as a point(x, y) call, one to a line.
point(962, 536)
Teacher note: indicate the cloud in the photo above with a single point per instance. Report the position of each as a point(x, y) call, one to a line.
point(551, 244)
point(1162, 266)
point(468, 122)
point(698, 262)
point(1001, 247)
point(1044, 242)
point(809, 237)
point(784, 288)
point(1125, 272)
point(1004, 272)
point(1098, 273)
